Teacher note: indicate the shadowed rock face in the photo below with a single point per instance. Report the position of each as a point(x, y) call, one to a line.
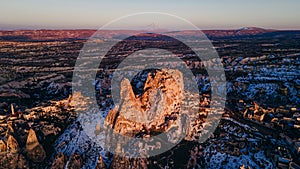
point(60, 161)
point(13, 160)
point(100, 163)
point(76, 161)
point(154, 111)
point(10, 156)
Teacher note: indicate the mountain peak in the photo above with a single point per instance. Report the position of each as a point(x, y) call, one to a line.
point(251, 31)
point(251, 28)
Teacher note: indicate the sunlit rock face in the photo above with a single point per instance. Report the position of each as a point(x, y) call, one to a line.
point(156, 110)
point(12, 144)
point(164, 106)
point(3, 147)
point(34, 149)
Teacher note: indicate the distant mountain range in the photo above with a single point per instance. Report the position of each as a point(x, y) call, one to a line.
point(81, 34)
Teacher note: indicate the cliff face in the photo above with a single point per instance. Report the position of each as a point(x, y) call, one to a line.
point(156, 110)
point(163, 105)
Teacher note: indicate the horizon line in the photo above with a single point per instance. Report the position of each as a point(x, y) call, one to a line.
point(93, 29)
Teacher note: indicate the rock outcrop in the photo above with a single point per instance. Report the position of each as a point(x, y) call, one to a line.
point(76, 161)
point(12, 144)
point(127, 162)
point(74, 143)
point(163, 106)
point(10, 156)
point(100, 163)
point(34, 149)
point(13, 160)
point(21, 146)
point(3, 147)
point(59, 161)
point(158, 109)
point(155, 111)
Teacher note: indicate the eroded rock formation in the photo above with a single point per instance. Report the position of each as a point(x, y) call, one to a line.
point(76, 161)
point(164, 106)
point(3, 147)
point(155, 111)
point(12, 144)
point(34, 149)
point(60, 161)
point(100, 163)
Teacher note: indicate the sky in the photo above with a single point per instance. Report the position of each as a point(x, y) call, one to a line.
point(205, 14)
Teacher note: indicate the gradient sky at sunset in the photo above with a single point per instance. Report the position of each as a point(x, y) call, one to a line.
point(92, 14)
